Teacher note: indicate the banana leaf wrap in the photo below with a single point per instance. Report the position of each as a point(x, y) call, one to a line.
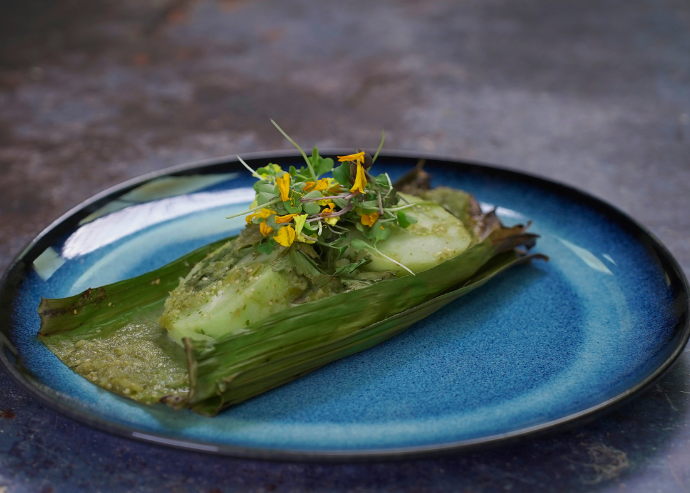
point(304, 337)
point(296, 341)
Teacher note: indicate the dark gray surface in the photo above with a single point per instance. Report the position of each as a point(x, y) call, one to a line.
point(595, 94)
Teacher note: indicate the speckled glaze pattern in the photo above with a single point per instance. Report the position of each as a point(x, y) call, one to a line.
point(541, 343)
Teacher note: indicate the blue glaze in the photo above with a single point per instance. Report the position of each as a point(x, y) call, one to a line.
point(537, 344)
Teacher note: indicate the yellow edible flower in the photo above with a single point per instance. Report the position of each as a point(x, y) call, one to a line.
point(285, 236)
point(284, 186)
point(370, 219)
point(357, 157)
point(285, 219)
point(322, 184)
point(328, 209)
point(265, 229)
point(262, 214)
point(360, 180)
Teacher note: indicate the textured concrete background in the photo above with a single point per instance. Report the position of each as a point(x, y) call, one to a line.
point(595, 94)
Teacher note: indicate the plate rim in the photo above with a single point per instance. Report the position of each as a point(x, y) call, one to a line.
point(43, 393)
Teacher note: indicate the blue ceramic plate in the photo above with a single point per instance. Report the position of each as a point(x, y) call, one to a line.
point(542, 346)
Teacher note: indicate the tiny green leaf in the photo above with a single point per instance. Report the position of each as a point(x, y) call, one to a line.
point(342, 174)
point(370, 206)
point(380, 233)
point(311, 208)
point(263, 197)
point(340, 203)
point(267, 248)
point(323, 166)
point(358, 244)
point(404, 220)
point(263, 186)
point(293, 205)
point(313, 195)
point(279, 208)
point(267, 170)
point(271, 221)
point(320, 165)
point(382, 181)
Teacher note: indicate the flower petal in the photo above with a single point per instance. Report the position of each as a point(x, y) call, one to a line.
point(284, 186)
point(357, 157)
point(360, 180)
point(330, 207)
point(299, 223)
point(265, 229)
point(285, 236)
point(323, 184)
point(285, 219)
point(369, 219)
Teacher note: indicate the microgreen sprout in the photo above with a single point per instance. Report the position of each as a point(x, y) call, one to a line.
point(309, 165)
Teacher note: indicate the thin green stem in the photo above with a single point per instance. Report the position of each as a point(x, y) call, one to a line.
point(409, 205)
point(330, 197)
point(256, 175)
point(304, 155)
point(270, 202)
point(390, 184)
point(394, 261)
point(338, 228)
point(383, 138)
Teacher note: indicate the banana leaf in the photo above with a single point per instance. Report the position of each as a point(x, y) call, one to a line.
point(300, 339)
point(221, 376)
point(284, 348)
point(111, 306)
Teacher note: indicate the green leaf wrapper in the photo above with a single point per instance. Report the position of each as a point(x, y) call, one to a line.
point(306, 336)
point(298, 340)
